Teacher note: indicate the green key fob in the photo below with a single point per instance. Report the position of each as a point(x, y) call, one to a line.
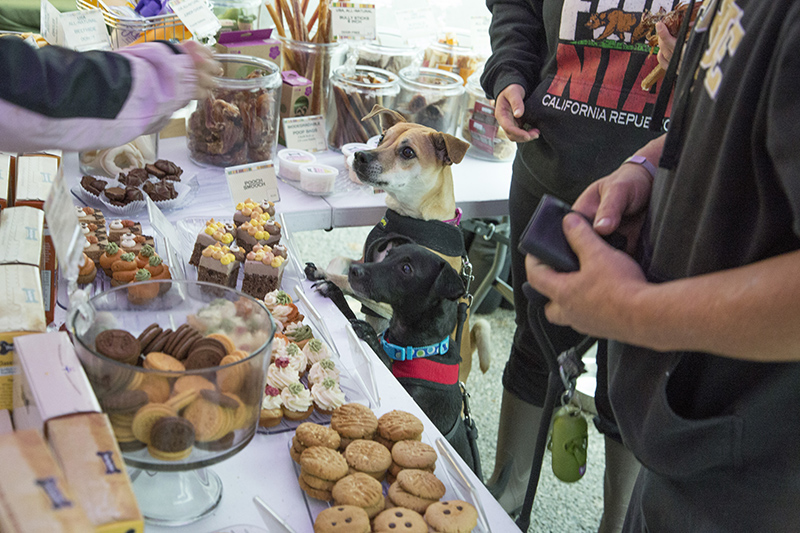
point(568, 444)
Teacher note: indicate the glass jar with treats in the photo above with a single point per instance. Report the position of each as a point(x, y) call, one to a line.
point(479, 127)
point(431, 97)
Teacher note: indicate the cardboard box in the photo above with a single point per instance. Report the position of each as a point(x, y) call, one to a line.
point(295, 97)
point(34, 495)
point(50, 381)
point(21, 233)
point(87, 452)
point(35, 176)
point(256, 43)
point(7, 168)
point(23, 314)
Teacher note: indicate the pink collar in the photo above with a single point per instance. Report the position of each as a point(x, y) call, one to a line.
point(455, 221)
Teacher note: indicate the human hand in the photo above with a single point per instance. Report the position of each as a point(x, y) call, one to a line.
point(666, 44)
point(509, 106)
point(618, 202)
point(591, 300)
point(205, 66)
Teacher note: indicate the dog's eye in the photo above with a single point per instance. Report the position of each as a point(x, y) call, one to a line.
point(407, 153)
point(381, 139)
point(406, 268)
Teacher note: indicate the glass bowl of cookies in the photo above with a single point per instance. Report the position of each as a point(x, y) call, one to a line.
point(181, 395)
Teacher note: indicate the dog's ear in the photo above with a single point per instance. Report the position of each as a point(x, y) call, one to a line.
point(388, 117)
point(448, 283)
point(450, 150)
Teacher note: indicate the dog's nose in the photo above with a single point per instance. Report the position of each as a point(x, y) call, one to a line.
point(357, 271)
point(361, 157)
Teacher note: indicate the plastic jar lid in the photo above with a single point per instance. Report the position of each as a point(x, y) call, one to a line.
point(318, 179)
point(351, 148)
point(431, 80)
point(290, 160)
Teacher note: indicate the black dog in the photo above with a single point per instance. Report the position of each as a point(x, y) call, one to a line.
point(417, 346)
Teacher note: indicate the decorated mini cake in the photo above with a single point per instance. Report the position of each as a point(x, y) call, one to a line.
point(159, 270)
point(117, 228)
point(271, 411)
point(95, 248)
point(316, 350)
point(327, 396)
point(252, 232)
point(297, 402)
point(123, 270)
point(273, 227)
point(250, 209)
point(218, 265)
point(281, 374)
point(297, 359)
point(322, 370)
point(131, 243)
point(298, 333)
point(263, 271)
point(140, 293)
point(111, 254)
point(87, 270)
point(283, 310)
point(90, 215)
point(212, 233)
point(143, 259)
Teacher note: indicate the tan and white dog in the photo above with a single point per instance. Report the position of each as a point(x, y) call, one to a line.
point(412, 164)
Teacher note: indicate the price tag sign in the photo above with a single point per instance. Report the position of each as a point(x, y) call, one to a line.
point(351, 21)
point(417, 24)
point(305, 133)
point(254, 180)
point(84, 30)
point(167, 231)
point(65, 231)
point(197, 17)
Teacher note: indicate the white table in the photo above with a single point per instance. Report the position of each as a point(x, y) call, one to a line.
point(264, 467)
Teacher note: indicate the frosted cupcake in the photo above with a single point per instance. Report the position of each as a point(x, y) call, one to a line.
point(279, 344)
point(297, 402)
point(322, 370)
point(316, 350)
point(327, 396)
point(271, 408)
point(283, 310)
point(280, 375)
point(298, 333)
point(297, 359)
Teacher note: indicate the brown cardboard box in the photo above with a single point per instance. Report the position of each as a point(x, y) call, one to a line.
point(23, 313)
point(50, 381)
point(7, 165)
point(21, 231)
point(295, 97)
point(35, 176)
point(87, 451)
point(34, 495)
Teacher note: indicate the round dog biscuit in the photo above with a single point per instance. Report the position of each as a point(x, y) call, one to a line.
point(294, 454)
point(413, 454)
point(324, 463)
point(191, 382)
point(162, 361)
point(399, 425)
point(172, 434)
point(185, 346)
point(399, 519)
point(148, 335)
point(453, 516)
point(159, 342)
point(354, 421)
point(181, 400)
point(401, 498)
point(368, 456)
point(119, 345)
point(342, 519)
point(210, 421)
point(223, 443)
point(226, 341)
point(127, 401)
point(318, 494)
point(316, 482)
point(199, 358)
point(421, 483)
point(156, 387)
point(146, 417)
point(358, 489)
point(310, 434)
point(230, 379)
point(218, 398)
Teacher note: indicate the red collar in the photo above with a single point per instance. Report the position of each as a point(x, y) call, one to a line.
point(427, 370)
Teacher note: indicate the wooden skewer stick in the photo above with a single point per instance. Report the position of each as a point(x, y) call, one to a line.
point(313, 19)
point(305, 7)
point(654, 77)
point(287, 12)
point(276, 19)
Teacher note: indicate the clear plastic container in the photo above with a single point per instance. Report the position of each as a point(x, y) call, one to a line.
point(354, 92)
point(236, 15)
point(388, 55)
point(238, 123)
point(316, 62)
point(446, 54)
point(431, 97)
point(479, 127)
point(110, 162)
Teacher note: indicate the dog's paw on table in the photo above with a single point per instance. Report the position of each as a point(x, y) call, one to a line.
point(313, 273)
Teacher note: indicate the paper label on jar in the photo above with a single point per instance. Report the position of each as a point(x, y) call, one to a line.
point(350, 21)
point(305, 133)
point(254, 180)
point(483, 127)
point(196, 16)
point(417, 24)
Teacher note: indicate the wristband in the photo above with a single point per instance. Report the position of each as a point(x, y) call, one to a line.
point(642, 160)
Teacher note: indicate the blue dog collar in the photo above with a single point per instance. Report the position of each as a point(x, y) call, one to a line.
point(407, 353)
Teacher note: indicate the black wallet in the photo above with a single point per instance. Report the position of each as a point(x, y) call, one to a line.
point(544, 236)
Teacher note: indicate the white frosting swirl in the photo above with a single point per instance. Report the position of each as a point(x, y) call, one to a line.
point(271, 402)
point(318, 373)
point(279, 347)
point(297, 359)
point(326, 398)
point(280, 378)
point(296, 402)
point(116, 224)
point(127, 241)
point(316, 350)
